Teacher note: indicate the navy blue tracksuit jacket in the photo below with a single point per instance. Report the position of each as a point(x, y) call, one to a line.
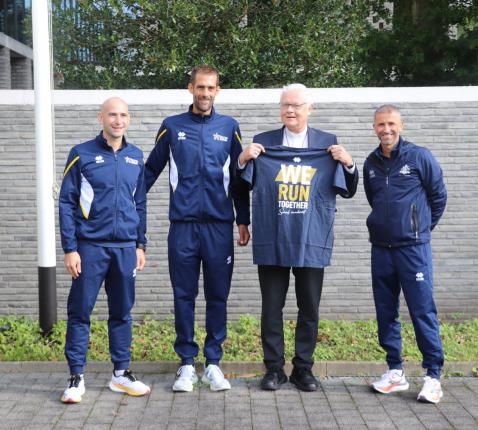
point(408, 196)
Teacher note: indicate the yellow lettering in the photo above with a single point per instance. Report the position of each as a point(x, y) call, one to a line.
point(293, 192)
point(282, 192)
point(304, 193)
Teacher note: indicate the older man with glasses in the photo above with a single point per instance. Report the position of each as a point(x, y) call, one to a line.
point(295, 173)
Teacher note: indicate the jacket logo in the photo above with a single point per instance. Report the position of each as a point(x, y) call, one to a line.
point(229, 259)
point(405, 170)
point(296, 160)
point(131, 161)
point(181, 135)
point(419, 277)
point(220, 137)
point(134, 273)
point(99, 159)
point(371, 173)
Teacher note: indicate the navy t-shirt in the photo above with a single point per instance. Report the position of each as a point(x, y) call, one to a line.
point(293, 205)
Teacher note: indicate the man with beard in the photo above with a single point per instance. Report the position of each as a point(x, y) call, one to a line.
point(202, 148)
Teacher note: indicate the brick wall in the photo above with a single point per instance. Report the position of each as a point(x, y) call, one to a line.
point(449, 129)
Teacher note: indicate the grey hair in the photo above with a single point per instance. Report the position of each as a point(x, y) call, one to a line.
point(301, 87)
point(388, 108)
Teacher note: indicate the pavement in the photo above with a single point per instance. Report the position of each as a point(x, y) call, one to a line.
point(30, 400)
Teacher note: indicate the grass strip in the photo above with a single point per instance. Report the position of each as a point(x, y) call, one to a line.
point(20, 340)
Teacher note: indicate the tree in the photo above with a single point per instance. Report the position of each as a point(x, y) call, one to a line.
point(155, 43)
point(427, 43)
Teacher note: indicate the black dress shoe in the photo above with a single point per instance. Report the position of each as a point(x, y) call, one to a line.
point(304, 380)
point(273, 379)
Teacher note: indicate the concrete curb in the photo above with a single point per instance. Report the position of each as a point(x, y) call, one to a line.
point(243, 369)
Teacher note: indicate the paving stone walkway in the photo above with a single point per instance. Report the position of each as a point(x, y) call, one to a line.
point(31, 401)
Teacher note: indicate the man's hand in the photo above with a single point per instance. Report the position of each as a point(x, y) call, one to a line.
point(340, 154)
point(244, 235)
point(73, 263)
point(140, 259)
point(251, 152)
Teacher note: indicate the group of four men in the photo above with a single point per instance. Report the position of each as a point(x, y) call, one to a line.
point(295, 174)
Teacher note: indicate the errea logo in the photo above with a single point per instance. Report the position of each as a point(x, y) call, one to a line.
point(99, 159)
point(405, 170)
point(371, 173)
point(131, 161)
point(297, 160)
point(419, 277)
point(181, 135)
point(220, 137)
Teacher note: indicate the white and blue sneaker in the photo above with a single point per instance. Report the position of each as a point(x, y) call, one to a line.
point(185, 379)
point(214, 377)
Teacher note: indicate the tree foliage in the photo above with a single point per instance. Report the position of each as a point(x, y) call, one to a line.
point(327, 43)
point(425, 42)
point(154, 44)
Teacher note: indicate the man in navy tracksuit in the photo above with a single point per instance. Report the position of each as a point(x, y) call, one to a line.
point(202, 148)
point(103, 225)
point(404, 186)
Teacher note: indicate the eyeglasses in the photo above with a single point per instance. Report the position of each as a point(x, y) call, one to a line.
point(294, 107)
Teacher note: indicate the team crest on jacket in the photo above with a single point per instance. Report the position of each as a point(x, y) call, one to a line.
point(181, 135)
point(294, 188)
point(131, 161)
point(220, 137)
point(405, 170)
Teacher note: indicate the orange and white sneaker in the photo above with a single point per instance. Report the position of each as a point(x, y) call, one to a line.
point(74, 390)
point(392, 381)
point(431, 391)
point(127, 383)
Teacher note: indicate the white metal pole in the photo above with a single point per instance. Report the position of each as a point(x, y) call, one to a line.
point(44, 164)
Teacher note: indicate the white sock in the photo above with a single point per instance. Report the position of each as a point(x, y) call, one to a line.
point(118, 372)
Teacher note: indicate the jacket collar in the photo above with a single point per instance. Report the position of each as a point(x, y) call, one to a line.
point(200, 118)
point(102, 141)
point(395, 151)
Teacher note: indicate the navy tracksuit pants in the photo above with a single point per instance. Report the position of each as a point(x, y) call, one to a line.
point(407, 268)
point(189, 245)
point(117, 267)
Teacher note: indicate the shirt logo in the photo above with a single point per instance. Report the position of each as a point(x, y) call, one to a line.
point(371, 174)
point(220, 137)
point(294, 188)
point(297, 160)
point(134, 273)
point(99, 159)
point(131, 161)
point(229, 259)
point(405, 170)
point(181, 135)
point(419, 277)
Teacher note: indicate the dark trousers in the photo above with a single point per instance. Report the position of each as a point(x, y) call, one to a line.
point(274, 282)
point(117, 268)
point(408, 269)
point(191, 244)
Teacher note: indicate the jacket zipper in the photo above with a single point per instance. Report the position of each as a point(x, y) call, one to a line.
point(201, 171)
point(116, 195)
point(415, 220)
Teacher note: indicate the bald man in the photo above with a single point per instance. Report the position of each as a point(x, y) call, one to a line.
point(103, 226)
